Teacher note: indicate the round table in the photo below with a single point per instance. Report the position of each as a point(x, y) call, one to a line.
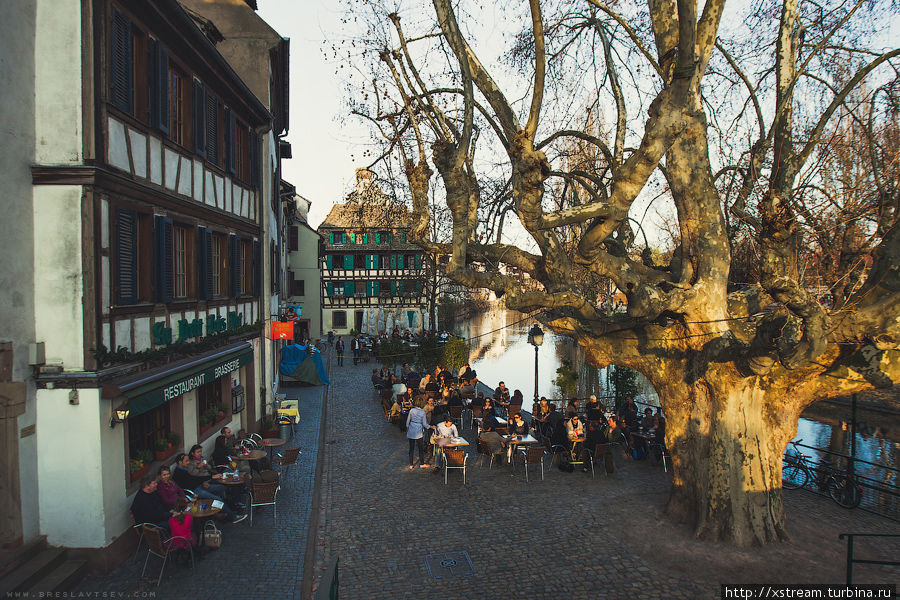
point(229, 480)
point(254, 455)
point(273, 443)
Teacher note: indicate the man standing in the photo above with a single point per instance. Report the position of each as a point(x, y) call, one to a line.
point(355, 347)
point(339, 350)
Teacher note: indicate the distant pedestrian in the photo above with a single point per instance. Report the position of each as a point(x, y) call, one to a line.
point(339, 350)
point(355, 347)
point(330, 338)
point(416, 424)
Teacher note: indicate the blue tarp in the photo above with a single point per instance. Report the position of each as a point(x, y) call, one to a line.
point(304, 364)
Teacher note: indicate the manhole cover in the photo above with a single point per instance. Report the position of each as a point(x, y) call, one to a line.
point(449, 564)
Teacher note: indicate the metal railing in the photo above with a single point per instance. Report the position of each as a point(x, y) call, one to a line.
point(880, 492)
point(861, 561)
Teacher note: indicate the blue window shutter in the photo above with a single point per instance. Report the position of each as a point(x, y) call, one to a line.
point(199, 122)
point(211, 105)
point(121, 92)
point(126, 256)
point(159, 86)
point(235, 252)
point(202, 263)
point(164, 261)
point(257, 269)
point(254, 160)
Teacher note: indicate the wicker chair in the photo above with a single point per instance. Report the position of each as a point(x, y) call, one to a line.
point(512, 411)
point(456, 415)
point(139, 529)
point(533, 455)
point(600, 451)
point(485, 450)
point(162, 548)
point(287, 459)
point(455, 458)
point(264, 494)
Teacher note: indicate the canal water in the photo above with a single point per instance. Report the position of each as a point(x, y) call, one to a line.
point(500, 352)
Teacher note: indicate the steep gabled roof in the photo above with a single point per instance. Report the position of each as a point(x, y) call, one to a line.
point(367, 206)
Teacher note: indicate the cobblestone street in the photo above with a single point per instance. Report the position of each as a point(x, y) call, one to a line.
point(262, 561)
point(565, 537)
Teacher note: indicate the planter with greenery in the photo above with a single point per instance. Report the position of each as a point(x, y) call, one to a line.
point(268, 429)
point(140, 464)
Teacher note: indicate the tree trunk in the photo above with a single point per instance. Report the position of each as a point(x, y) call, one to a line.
point(726, 446)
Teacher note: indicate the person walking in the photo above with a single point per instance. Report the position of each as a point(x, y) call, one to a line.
point(354, 346)
point(339, 350)
point(330, 339)
point(416, 424)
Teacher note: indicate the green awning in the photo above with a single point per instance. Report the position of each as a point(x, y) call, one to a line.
point(148, 394)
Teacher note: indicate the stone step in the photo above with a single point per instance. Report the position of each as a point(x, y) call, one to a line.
point(10, 560)
point(32, 571)
point(62, 579)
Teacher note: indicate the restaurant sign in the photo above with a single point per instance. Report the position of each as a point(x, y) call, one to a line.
point(163, 335)
point(185, 382)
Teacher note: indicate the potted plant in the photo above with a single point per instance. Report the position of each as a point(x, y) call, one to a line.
point(268, 429)
point(206, 422)
point(220, 412)
point(163, 448)
point(174, 439)
point(140, 464)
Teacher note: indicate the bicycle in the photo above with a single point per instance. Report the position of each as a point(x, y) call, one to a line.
point(797, 470)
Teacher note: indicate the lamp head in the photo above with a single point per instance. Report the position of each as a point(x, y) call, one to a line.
point(535, 335)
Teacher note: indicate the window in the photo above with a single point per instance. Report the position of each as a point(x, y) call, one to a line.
point(242, 152)
point(178, 98)
point(219, 265)
point(209, 399)
point(293, 241)
point(180, 262)
point(297, 286)
point(338, 288)
point(339, 319)
point(144, 429)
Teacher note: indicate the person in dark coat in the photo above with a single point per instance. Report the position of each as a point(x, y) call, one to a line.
point(148, 507)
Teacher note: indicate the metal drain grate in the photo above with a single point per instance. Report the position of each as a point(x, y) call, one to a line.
point(449, 564)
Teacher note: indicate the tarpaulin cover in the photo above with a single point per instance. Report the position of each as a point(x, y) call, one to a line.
point(299, 364)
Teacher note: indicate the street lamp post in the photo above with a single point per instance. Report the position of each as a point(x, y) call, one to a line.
point(535, 338)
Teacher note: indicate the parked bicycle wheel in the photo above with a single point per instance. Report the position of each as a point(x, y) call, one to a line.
point(793, 475)
point(844, 491)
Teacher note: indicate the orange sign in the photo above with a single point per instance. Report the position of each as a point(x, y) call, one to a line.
point(282, 330)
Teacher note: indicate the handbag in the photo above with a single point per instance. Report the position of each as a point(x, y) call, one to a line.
point(212, 536)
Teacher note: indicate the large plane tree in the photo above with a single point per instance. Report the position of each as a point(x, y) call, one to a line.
point(735, 126)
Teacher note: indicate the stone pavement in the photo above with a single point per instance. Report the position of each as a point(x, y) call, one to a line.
point(264, 561)
point(568, 536)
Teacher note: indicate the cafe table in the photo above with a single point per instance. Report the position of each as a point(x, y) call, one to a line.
point(575, 441)
point(200, 515)
point(273, 443)
point(290, 408)
point(441, 443)
point(514, 441)
point(500, 421)
point(231, 482)
point(253, 455)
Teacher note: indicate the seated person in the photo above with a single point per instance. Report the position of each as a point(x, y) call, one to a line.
point(446, 428)
point(465, 374)
point(437, 414)
point(517, 399)
point(596, 440)
point(501, 394)
point(488, 408)
point(445, 376)
point(494, 440)
point(518, 426)
point(180, 525)
point(191, 477)
point(377, 380)
point(169, 491)
point(629, 413)
point(454, 398)
point(148, 507)
point(594, 410)
point(396, 409)
point(574, 428)
point(398, 387)
point(467, 390)
point(649, 422)
point(406, 370)
point(432, 386)
point(224, 447)
point(423, 383)
point(572, 408)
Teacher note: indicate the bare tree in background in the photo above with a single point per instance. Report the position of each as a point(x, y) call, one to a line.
point(718, 124)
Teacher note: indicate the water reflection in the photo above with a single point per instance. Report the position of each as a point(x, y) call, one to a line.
point(500, 352)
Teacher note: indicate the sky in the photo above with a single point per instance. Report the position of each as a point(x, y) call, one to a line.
point(321, 144)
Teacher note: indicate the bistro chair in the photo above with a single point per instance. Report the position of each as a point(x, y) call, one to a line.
point(162, 548)
point(455, 458)
point(485, 450)
point(513, 410)
point(286, 460)
point(456, 415)
point(256, 438)
point(661, 452)
point(139, 529)
point(597, 453)
point(264, 494)
point(533, 455)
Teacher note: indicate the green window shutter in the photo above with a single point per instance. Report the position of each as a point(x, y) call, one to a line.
point(390, 238)
point(368, 289)
point(343, 238)
point(329, 289)
point(352, 238)
point(377, 238)
point(393, 261)
point(399, 261)
point(376, 288)
point(419, 287)
point(403, 238)
point(349, 289)
point(418, 261)
point(331, 238)
point(393, 288)
point(329, 260)
point(365, 238)
point(348, 261)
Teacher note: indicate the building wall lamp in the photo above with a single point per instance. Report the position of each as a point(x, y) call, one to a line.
point(119, 415)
